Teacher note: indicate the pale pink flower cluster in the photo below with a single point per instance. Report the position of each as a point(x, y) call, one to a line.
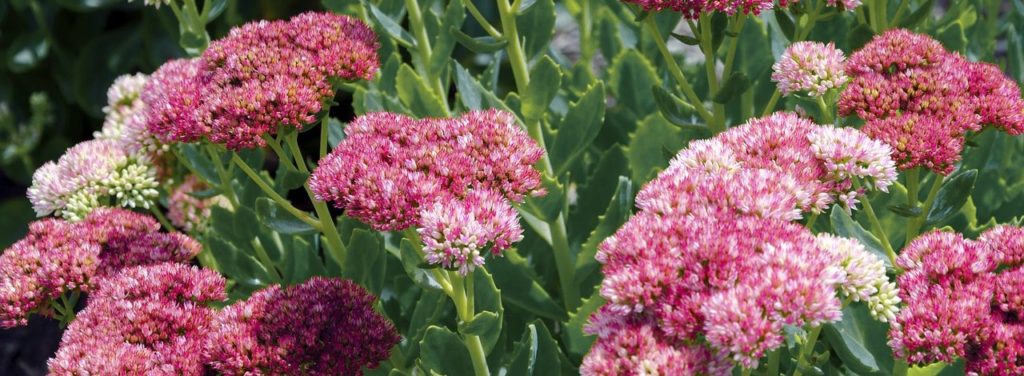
point(963, 300)
point(261, 76)
point(712, 265)
point(450, 177)
point(188, 212)
point(59, 257)
point(147, 320)
point(850, 154)
point(324, 326)
point(455, 232)
point(865, 278)
point(810, 67)
point(692, 9)
point(922, 100)
point(125, 121)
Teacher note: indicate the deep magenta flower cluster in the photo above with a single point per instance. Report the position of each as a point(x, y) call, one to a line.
point(261, 76)
point(963, 300)
point(922, 100)
point(58, 257)
point(146, 320)
point(692, 9)
point(711, 269)
point(451, 177)
point(320, 327)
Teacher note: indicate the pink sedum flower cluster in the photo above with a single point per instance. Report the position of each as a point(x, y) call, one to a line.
point(922, 100)
point(320, 327)
point(692, 9)
point(963, 300)
point(809, 67)
point(151, 320)
point(261, 76)
point(712, 268)
point(453, 178)
point(58, 257)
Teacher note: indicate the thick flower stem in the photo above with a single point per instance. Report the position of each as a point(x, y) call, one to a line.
point(826, 113)
point(806, 350)
point(916, 224)
point(327, 226)
point(284, 203)
point(564, 262)
point(222, 173)
point(677, 74)
point(155, 209)
point(423, 49)
point(876, 226)
point(772, 368)
point(462, 296)
point(707, 46)
point(899, 368)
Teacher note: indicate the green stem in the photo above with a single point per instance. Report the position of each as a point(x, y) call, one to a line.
point(876, 226)
point(586, 32)
point(275, 145)
point(913, 192)
point(826, 113)
point(284, 203)
point(770, 107)
point(899, 11)
point(264, 259)
point(463, 304)
point(677, 72)
point(480, 19)
point(707, 46)
point(424, 50)
point(745, 371)
point(772, 369)
point(899, 368)
point(559, 241)
point(155, 209)
point(438, 273)
point(324, 135)
point(222, 173)
point(811, 220)
point(917, 223)
point(806, 350)
point(327, 225)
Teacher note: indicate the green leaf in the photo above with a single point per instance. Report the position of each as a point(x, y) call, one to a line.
point(391, 27)
point(86, 5)
point(785, 24)
point(686, 39)
point(27, 51)
point(578, 128)
point(512, 270)
point(675, 110)
point(488, 299)
point(845, 226)
point(481, 324)
point(547, 207)
point(919, 15)
point(859, 36)
point(194, 42)
point(536, 27)
point(905, 210)
point(619, 210)
point(646, 148)
point(545, 79)
point(443, 352)
point(365, 262)
point(444, 42)
point(1014, 54)
point(849, 345)
point(416, 95)
point(480, 45)
point(237, 265)
point(288, 179)
point(410, 262)
point(199, 163)
point(952, 195)
point(734, 86)
point(536, 353)
point(335, 132)
point(577, 342)
point(631, 79)
point(474, 95)
point(277, 219)
point(953, 37)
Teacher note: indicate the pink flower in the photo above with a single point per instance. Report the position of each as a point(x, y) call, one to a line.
point(320, 327)
point(391, 166)
point(758, 192)
point(146, 320)
point(648, 354)
point(810, 67)
point(849, 154)
point(933, 142)
point(262, 76)
point(896, 51)
point(997, 98)
point(457, 233)
point(188, 212)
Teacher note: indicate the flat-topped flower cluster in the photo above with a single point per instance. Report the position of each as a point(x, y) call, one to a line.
point(709, 271)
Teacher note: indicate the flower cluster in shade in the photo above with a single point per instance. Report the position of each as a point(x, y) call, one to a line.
point(692, 9)
point(146, 320)
point(711, 269)
point(57, 257)
point(453, 178)
point(963, 299)
point(261, 76)
point(809, 67)
point(187, 211)
point(320, 327)
point(922, 99)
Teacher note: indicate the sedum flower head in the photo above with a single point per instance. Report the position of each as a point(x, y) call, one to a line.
point(692, 9)
point(90, 175)
point(324, 326)
point(756, 192)
point(146, 320)
point(261, 76)
point(188, 212)
point(865, 278)
point(457, 233)
point(810, 67)
point(58, 257)
point(650, 353)
point(390, 167)
point(849, 154)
